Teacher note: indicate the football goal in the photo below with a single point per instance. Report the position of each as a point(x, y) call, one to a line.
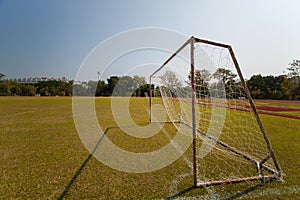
point(201, 88)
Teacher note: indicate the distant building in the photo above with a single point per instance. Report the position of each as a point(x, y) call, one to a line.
point(31, 81)
point(2, 76)
point(82, 83)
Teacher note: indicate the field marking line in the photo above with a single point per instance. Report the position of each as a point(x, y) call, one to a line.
point(31, 111)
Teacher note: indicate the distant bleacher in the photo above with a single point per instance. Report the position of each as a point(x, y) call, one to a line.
point(35, 80)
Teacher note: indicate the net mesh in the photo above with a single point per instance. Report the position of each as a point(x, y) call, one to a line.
point(229, 140)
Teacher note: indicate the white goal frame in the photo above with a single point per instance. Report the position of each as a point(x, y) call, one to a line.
point(275, 173)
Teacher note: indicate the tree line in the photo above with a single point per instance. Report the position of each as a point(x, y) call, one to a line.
point(115, 86)
point(42, 88)
point(285, 87)
point(282, 87)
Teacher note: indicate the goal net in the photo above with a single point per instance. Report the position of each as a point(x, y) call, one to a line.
point(202, 88)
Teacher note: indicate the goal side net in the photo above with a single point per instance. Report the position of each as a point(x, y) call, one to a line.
point(202, 88)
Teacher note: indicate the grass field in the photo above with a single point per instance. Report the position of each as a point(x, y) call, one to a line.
point(42, 157)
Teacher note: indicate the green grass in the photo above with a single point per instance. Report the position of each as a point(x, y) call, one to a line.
point(291, 113)
point(42, 157)
point(284, 104)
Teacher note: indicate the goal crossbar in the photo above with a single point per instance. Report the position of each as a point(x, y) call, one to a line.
point(237, 180)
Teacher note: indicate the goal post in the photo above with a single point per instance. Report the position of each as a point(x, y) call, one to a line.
point(202, 87)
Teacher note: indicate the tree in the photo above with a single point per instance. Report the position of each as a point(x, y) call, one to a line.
point(129, 86)
point(225, 75)
point(170, 80)
point(68, 88)
point(54, 87)
point(274, 87)
point(141, 87)
point(294, 69)
point(15, 88)
point(267, 87)
point(226, 79)
point(171, 83)
point(139, 80)
point(293, 81)
point(143, 90)
point(28, 90)
point(156, 92)
point(256, 86)
point(79, 90)
point(202, 78)
point(102, 89)
point(91, 88)
point(4, 89)
point(112, 82)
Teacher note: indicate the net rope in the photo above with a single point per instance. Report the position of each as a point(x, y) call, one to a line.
point(223, 112)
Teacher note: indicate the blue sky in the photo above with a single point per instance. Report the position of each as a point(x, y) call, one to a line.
point(52, 38)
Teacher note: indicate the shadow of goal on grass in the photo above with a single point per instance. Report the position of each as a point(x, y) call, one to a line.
point(73, 179)
point(177, 195)
point(249, 190)
point(234, 196)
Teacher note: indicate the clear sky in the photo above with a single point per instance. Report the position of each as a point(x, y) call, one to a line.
point(52, 37)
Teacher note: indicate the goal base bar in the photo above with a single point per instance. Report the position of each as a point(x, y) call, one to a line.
point(237, 180)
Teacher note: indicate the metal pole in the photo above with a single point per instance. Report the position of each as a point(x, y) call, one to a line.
point(237, 180)
point(194, 128)
point(150, 100)
point(174, 54)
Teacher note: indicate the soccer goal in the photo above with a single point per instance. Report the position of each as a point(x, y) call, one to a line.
point(201, 87)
